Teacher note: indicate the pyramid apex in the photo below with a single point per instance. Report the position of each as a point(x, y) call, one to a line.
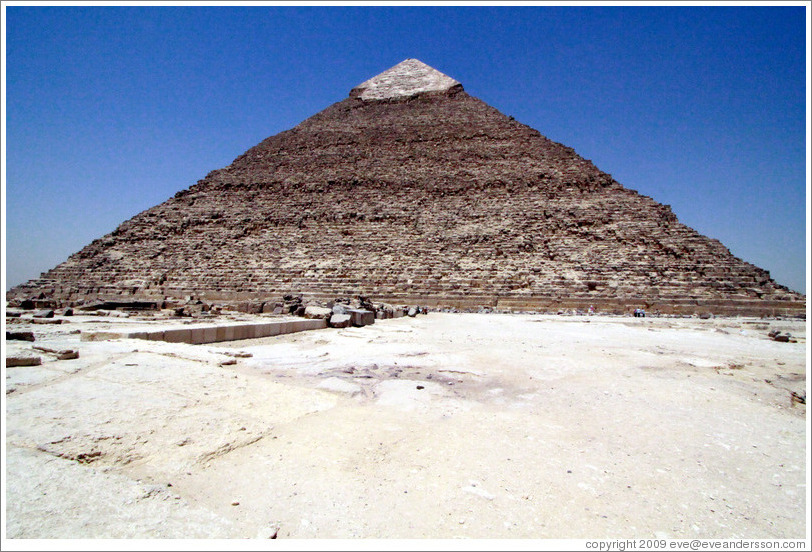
point(408, 78)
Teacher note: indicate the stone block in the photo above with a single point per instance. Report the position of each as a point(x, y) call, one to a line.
point(47, 321)
point(209, 334)
point(198, 336)
point(298, 326)
point(318, 324)
point(20, 336)
point(225, 333)
point(23, 360)
point(155, 336)
point(340, 321)
point(361, 317)
point(183, 335)
point(101, 336)
point(316, 312)
point(232, 332)
point(242, 332)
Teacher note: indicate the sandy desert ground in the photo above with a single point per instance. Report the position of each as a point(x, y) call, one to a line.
point(441, 426)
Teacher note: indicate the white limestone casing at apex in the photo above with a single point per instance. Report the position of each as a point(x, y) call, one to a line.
point(407, 78)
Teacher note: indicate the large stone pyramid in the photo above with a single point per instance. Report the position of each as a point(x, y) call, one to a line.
point(412, 191)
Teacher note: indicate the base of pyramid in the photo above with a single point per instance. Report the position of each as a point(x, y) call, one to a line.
point(471, 302)
point(612, 306)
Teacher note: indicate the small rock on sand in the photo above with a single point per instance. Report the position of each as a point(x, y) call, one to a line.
point(68, 354)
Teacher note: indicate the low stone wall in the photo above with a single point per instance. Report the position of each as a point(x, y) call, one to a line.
point(210, 334)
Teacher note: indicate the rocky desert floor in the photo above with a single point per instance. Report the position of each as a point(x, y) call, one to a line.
point(441, 426)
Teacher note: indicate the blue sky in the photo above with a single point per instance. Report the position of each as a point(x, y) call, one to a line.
point(111, 110)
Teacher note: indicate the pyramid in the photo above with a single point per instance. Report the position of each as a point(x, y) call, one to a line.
point(411, 191)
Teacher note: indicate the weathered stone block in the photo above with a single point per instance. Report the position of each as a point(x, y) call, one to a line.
point(242, 332)
point(19, 336)
point(178, 336)
point(209, 334)
point(340, 321)
point(198, 336)
point(47, 321)
point(297, 326)
point(317, 312)
point(101, 336)
point(361, 317)
point(23, 360)
point(317, 324)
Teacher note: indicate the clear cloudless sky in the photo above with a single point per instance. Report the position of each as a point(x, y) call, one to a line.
point(111, 110)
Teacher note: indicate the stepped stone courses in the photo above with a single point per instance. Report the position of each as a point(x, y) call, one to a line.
point(411, 191)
